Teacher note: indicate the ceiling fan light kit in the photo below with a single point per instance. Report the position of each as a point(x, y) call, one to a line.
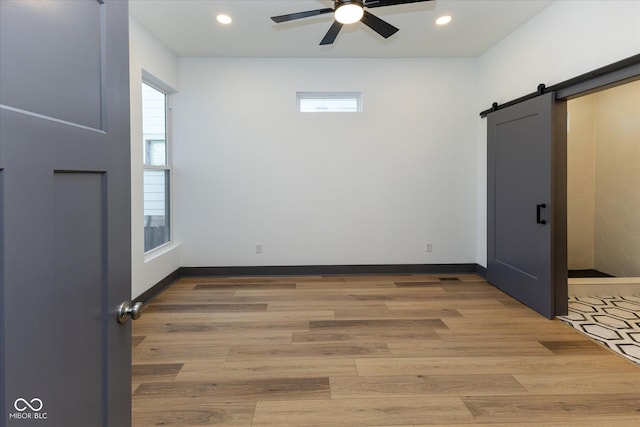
point(349, 12)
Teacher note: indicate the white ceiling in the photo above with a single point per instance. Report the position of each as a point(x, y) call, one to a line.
point(189, 28)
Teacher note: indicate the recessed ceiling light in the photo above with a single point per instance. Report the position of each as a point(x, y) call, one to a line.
point(224, 19)
point(443, 20)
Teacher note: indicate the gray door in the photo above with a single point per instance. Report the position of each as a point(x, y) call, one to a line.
point(64, 213)
point(524, 229)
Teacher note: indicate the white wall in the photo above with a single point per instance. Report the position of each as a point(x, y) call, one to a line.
point(322, 189)
point(617, 181)
point(147, 54)
point(581, 180)
point(566, 39)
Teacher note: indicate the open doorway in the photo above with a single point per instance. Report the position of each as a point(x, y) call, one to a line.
point(603, 217)
point(603, 192)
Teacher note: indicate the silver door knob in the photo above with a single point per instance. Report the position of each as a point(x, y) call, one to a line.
point(125, 310)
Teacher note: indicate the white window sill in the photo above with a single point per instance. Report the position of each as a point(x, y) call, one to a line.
point(160, 251)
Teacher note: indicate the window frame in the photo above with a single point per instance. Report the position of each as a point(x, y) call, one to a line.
point(153, 83)
point(329, 95)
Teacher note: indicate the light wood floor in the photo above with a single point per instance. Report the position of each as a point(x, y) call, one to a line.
point(407, 350)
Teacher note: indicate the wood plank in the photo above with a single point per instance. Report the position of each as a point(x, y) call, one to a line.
point(347, 294)
point(447, 301)
point(342, 284)
point(476, 348)
point(362, 412)
point(251, 279)
point(270, 316)
point(474, 287)
point(190, 297)
point(581, 347)
point(204, 308)
point(155, 372)
point(243, 285)
point(425, 385)
point(497, 325)
point(465, 277)
point(266, 368)
point(310, 351)
point(188, 327)
point(399, 293)
point(364, 313)
point(225, 338)
point(177, 352)
point(560, 364)
point(580, 383)
point(514, 335)
point(375, 278)
point(554, 408)
point(433, 283)
point(498, 310)
point(190, 412)
point(240, 391)
point(367, 335)
point(383, 366)
point(151, 320)
point(329, 304)
point(377, 324)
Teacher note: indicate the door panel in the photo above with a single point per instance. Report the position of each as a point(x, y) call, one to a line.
point(46, 69)
point(79, 249)
point(521, 172)
point(524, 253)
point(65, 202)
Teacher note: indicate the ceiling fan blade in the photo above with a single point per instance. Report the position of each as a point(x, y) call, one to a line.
point(381, 27)
point(331, 35)
point(380, 3)
point(300, 15)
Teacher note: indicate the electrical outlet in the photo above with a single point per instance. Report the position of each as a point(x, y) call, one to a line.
point(428, 247)
point(258, 248)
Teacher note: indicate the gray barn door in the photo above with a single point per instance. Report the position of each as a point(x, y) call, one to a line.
point(522, 214)
point(64, 213)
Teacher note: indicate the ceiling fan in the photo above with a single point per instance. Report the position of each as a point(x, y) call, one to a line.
point(349, 12)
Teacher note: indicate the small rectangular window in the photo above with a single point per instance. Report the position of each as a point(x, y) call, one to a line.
point(329, 102)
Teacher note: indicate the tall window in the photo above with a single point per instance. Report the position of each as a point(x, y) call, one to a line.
point(157, 168)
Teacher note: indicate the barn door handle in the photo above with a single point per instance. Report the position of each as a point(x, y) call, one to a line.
point(126, 309)
point(539, 208)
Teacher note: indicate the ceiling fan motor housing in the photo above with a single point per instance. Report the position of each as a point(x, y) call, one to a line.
point(338, 3)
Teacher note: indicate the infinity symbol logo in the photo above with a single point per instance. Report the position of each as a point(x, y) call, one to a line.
point(22, 404)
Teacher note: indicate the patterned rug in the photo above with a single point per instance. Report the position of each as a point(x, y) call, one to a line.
point(612, 321)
